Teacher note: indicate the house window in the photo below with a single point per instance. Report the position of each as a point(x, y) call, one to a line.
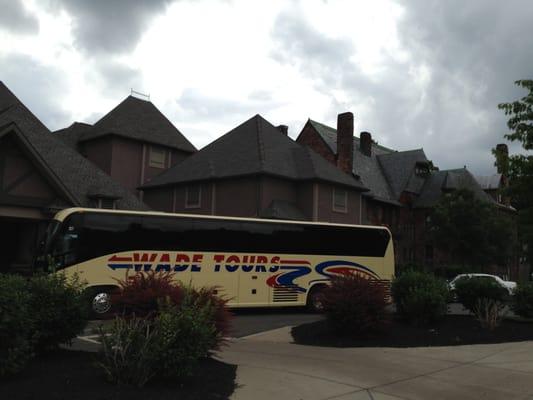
point(193, 195)
point(105, 203)
point(421, 168)
point(157, 157)
point(340, 200)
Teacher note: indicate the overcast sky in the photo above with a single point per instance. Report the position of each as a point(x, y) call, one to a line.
point(420, 73)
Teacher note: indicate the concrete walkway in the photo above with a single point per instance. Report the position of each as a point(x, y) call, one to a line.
point(271, 367)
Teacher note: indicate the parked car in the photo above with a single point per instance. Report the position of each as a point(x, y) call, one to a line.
point(509, 285)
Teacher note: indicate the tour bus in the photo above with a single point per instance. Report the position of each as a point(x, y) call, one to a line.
point(252, 262)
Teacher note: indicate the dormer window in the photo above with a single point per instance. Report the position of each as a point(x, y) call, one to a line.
point(421, 168)
point(157, 157)
point(104, 202)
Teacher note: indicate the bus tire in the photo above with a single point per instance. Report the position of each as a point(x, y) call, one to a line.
point(315, 299)
point(99, 301)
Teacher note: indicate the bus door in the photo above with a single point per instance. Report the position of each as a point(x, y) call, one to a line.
point(253, 288)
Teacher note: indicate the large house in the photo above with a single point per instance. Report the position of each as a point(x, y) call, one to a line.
point(40, 175)
point(132, 143)
point(404, 186)
point(134, 153)
point(256, 170)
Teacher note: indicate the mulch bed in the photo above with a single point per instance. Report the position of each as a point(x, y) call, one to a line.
point(72, 375)
point(451, 331)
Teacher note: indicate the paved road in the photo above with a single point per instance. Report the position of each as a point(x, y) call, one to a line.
point(250, 321)
point(271, 367)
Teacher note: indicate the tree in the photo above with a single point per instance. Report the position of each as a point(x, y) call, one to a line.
point(520, 166)
point(474, 232)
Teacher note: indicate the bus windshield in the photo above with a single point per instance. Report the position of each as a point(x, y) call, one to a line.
point(60, 245)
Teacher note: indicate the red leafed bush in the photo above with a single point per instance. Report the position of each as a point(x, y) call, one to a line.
point(140, 294)
point(144, 293)
point(355, 305)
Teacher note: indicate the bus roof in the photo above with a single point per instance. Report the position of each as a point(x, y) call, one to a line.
point(61, 215)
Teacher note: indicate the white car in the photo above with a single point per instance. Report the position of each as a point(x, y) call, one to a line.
point(509, 285)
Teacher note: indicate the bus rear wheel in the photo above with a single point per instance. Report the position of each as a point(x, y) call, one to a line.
point(315, 299)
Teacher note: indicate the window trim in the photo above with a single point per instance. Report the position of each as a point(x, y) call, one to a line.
point(334, 206)
point(156, 164)
point(193, 205)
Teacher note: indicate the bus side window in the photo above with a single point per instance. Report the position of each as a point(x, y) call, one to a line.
point(164, 233)
point(108, 234)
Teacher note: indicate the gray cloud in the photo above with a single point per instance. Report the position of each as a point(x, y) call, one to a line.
point(198, 106)
point(39, 87)
point(14, 17)
point(118, 78)
point(473, 52)
point(104, 26)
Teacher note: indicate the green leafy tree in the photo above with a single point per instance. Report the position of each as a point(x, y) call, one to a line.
point(473, 232)
point(519, 167)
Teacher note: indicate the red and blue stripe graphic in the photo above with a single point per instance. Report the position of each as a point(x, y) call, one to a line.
point(295, 269)
point(334, 268)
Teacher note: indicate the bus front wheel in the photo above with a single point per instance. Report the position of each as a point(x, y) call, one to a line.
point(99, 299)
point(315, 299)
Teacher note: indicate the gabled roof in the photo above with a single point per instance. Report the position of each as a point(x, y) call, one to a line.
point(140, 120)
point(254, 147)
point(72, 134)
point(439, 182)
point(399, 170)
point(76, 175)
point(367, 168)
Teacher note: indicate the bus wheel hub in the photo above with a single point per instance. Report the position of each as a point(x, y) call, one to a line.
point(101, 303)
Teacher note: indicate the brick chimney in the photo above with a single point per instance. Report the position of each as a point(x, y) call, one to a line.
point(283, 129)
point(502, 158)
point(345, 142)
point(365, 143)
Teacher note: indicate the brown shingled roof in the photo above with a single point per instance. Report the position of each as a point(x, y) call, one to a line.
point(255, 147)
point(139, 119)
point(76, 175)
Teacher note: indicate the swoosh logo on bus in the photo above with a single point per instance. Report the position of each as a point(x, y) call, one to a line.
point(334, 268)
point(295, 269)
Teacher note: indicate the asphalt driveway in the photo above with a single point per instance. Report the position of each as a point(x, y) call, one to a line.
point(271, 367)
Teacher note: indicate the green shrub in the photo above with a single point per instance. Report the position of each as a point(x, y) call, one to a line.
point(484, 298)
point(184, 336)
point(15, 324)
point(469, 289)
point(488, 312)
point(176, 330)
point(59, 309)
point(143, 293)
point(128, 351)
point(355, 305)
point(167, 344)
point(522, 304)
point(420, 298)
